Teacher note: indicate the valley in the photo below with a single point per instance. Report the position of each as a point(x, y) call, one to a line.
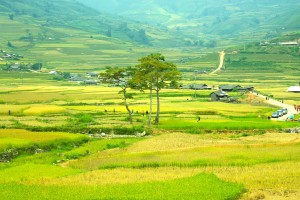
point(65, 132)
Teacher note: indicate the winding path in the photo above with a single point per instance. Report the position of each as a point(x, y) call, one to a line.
point(222, 57)
point(291, 109)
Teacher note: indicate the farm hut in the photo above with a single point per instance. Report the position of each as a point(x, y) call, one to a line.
point(76, 79)
point(201, 87)
point(246, 88)
point(200, 72)
point(93, 74)
point(15, 66)
point(249, 88)
point(53, 72)
point(219, 96)
point(72, 75)
point(294, 89)
point(229, 88)
point(289, 43)
point(90, 82)
point(186, 87)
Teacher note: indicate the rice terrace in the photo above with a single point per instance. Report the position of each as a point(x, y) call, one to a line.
point(150, 99)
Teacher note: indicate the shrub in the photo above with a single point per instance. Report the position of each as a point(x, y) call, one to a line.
point(84, 118)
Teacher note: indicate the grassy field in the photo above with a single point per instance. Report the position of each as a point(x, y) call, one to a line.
point(233, 152)
point(169, 166)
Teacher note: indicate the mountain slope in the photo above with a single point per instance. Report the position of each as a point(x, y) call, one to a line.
point(66, 35)
point(255, 19)
point(69, 13)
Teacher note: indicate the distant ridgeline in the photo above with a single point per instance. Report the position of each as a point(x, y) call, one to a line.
point(178, 23)
point(235, 21)
point(71, 14)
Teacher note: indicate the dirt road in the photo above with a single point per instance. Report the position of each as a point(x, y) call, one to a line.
point(279, 104)
point(222, 57)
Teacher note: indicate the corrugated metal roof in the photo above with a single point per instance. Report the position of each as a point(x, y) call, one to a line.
point(294, 89)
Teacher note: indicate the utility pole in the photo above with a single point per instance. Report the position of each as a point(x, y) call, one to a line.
point(195, 83)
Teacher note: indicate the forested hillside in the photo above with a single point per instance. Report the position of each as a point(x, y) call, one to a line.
point(70, 14)
point(228, 19)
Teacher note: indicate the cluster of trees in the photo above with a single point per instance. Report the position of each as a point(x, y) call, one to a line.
point(152, 74)
point(134, 35)
point(202, 43)
point(22, 66)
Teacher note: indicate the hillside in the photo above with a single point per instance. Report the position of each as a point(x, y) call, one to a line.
point(71, 14)
point(69, 36)
point(235, 21)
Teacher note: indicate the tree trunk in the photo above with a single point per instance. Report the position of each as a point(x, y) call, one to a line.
point(150, 112)
point(127, 107)
point(157, 107)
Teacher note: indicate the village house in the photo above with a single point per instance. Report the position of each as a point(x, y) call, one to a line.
point(264, 43)
point(76, 78)
point(201, 87)
point(229, 88)
point(186, 87)
point(196, 87)
point(90, 82)
point(15, 66)
point(237, 88)
point(219, 96)
point(53, 72)
point(200, 72)
point(92, 74)
point(289, 43)
point(246, 88)
point(295, 89)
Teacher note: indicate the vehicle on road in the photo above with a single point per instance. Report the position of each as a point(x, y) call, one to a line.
point(280, 113)
point(284, 111)
point(275, 115)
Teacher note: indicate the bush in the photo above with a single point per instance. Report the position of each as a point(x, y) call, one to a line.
point(207, 112)
point(87, 130)
point(37, 66)
point(32, 148)
point(84, 118)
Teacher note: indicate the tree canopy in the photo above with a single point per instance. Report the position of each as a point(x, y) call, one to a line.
point(154, 73)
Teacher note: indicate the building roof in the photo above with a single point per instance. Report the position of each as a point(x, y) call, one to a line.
point(90, 82)
point(220, 93)
point(15, 66)
point(248, 87)
point(294, 89)
point(185, 86)
point(53, 72)
point(93, 73)
point(200, 87)
point(289, 43)
point(228, 87)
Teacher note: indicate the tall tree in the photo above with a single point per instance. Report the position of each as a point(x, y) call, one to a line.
point(120, 77)
point(143, 78)
point(11, 16)
point(154, 73)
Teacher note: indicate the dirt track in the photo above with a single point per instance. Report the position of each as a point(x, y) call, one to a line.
point(222, 56)
point(279, 104)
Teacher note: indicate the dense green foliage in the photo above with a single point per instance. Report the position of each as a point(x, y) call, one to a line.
point(233, 20)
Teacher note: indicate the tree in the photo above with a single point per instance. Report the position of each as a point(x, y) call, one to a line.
point(142, 36)
point(9, 44)
point(211, 44)
point(37, 66)
point(154, 74)
point(165, 73)
point(11, 16)
point(108, 33)
point(121, 78)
